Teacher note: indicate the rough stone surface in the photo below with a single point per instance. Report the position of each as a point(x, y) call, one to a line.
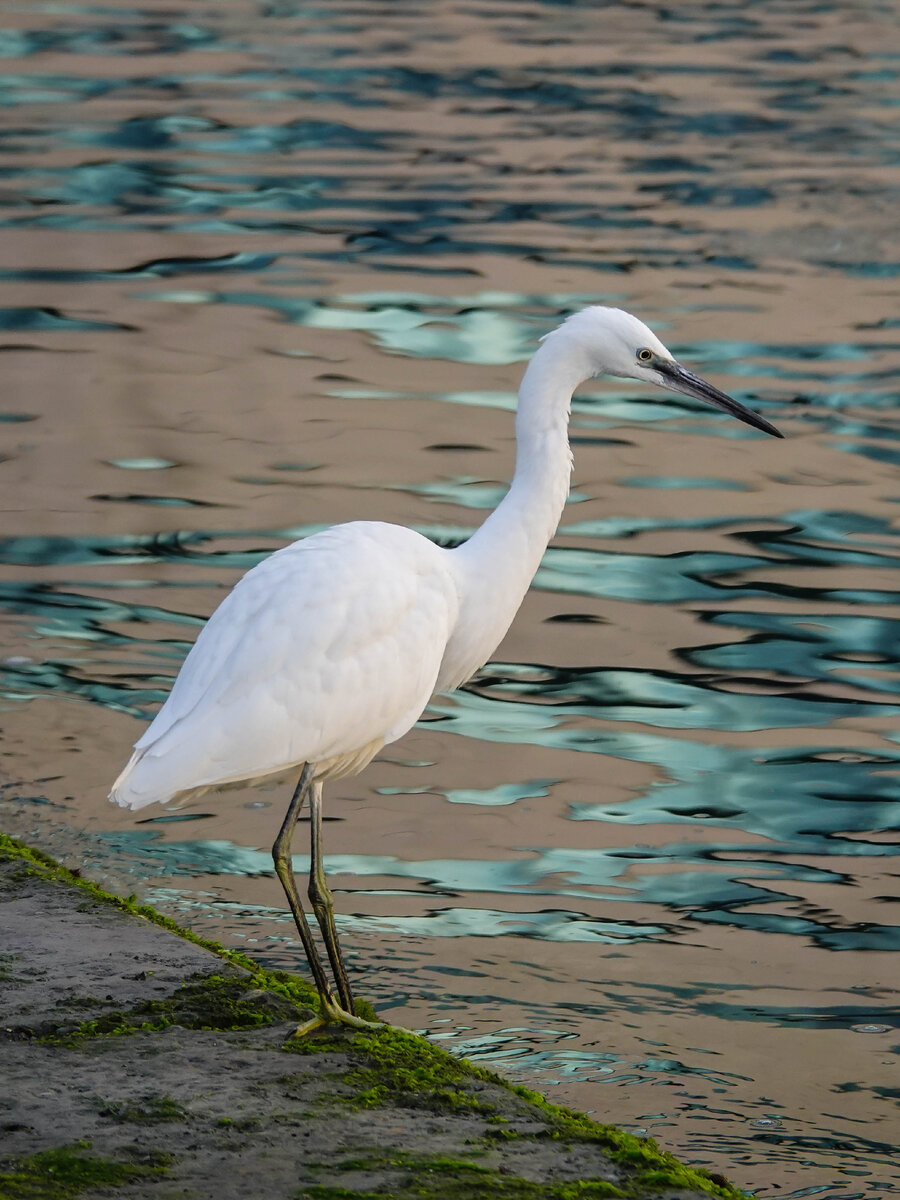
point(56, 945)
point(256, 1120)
point(239, 1113)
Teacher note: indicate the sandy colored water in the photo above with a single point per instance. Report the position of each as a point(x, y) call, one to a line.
point(645, 859)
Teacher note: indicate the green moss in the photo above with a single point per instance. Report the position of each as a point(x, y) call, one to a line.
point(391, 1066)
point(379, 1160)
point(282, 983)
point(649, 1167)
point(150, 1109)
point(241, 1124)
point(7, 975)
point(37, 863)
point(216, 1002)
point(436, 1177)
point(399, 1068)
point(365, 1010)
point(68, 1171)
point(84, 1002)
point(499, 1132)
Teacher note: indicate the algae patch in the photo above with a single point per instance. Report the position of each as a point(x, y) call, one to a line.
point(300, 997)
point(148, 1110)
point(392, 1067)
point(211, 1002)
point(69, 1171)
point(35, 862)
point(647, 1165)
point(402, 1176)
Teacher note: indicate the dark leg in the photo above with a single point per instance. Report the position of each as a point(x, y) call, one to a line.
point(281, 856)
point(322, 901)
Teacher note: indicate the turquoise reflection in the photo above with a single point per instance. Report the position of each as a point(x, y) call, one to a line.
point(478, 334)
point(811, 802)
point(681, 483)
point(495, 797)
point(861, 650)
point(562, 925)
point(584, 870)
point(661, 699)
point(694, 892)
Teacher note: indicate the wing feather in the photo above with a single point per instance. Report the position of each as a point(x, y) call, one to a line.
point(328, 646)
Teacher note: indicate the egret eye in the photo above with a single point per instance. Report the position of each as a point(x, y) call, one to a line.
point(645, 355)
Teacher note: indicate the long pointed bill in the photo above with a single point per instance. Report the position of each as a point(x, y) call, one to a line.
point(680, 379)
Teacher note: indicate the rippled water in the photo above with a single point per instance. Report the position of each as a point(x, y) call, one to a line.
point(269, 265)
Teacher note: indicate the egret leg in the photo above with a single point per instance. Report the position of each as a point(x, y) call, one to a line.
point(323, 902)
point(281, 856)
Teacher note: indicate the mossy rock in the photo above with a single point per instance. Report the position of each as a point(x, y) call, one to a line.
point(373, 1069)
point(68, 1172)
point(212, 1002)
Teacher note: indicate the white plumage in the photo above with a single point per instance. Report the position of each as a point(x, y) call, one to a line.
point(331, 648)
point(282, 672)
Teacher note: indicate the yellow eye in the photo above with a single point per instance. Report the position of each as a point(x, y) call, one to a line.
point(644, 355)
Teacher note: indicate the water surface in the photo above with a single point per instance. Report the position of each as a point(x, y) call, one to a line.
point(267, 266)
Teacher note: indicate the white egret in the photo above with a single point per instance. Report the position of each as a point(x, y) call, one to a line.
point(331, 648)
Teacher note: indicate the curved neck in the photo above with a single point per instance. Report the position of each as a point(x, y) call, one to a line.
point(510, 544)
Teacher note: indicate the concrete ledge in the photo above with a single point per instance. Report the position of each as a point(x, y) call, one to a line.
point(140, 1061)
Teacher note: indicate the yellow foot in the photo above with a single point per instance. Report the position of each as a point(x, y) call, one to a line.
point(308, 1027)
point(332, 1013)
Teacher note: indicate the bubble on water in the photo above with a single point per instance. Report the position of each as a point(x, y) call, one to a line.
point(258, 804)
point(766, 1123)
point(871, 1028)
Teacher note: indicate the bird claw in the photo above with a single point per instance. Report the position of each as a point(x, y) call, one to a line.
point(308, 1027)
point(332, 1013)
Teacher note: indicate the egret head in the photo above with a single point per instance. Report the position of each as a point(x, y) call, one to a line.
point(616, 343)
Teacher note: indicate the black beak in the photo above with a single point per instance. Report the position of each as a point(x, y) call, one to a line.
point(680, 379)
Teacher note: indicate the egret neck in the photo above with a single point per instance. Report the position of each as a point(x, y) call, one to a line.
point(497, 564)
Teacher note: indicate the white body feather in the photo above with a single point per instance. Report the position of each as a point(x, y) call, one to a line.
point(282, 672)
point(333, 646)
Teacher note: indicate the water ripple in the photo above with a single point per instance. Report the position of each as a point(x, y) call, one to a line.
point(678, 778)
